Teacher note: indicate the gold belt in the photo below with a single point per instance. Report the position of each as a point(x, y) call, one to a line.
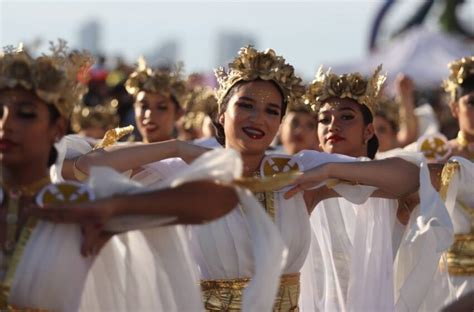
point(460, 256)
point(226, 295)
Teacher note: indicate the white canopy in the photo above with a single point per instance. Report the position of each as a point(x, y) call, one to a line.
point(422, 54)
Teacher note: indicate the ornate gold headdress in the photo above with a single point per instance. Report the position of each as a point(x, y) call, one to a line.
point(100, 116)
point(251, 64)
point(460, 70)
point(299, 104)
point(354, 86)
point(53, 78)
point(163, 81)
point(389, 108)
point(199, 103)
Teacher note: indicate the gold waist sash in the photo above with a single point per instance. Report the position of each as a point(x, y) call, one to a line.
point(226, 295)
point(460, 256)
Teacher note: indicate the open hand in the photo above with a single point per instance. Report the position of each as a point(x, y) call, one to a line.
point(404, 85)
point(90, 215)
point(308, 180)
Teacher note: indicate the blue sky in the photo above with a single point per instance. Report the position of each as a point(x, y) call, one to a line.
point(306, 33)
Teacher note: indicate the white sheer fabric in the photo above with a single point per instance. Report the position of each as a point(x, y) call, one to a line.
point(355, 240)
point(244, 243)
point(147, 270)
point(447, 288)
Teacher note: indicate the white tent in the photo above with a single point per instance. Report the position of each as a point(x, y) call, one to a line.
point(421, 53)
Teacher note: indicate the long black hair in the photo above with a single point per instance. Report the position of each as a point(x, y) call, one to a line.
point(220, 134)
point(53, 117)
point(373, 143)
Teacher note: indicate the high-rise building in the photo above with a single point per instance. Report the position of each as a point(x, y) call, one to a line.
point(90, 36)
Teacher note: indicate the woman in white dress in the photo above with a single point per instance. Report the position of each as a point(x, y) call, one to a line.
point(454, 277)
point(351, 263)
point(36, 98)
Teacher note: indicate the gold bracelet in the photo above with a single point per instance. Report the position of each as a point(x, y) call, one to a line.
point(78, 173)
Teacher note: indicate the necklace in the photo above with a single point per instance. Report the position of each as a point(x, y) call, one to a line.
point(13, 246)
point(465, 144)
point(13, 209)
point(266, 199)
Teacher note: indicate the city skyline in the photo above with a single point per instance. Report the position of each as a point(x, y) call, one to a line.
point(306, 33)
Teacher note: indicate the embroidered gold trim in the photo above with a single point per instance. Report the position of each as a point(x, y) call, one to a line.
point(13, 262)
point(460, 256)
point(226, 295)
point(447, 174)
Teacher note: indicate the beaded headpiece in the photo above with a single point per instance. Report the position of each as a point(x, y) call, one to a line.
point(53, 78)
point(163, 81)
point(353, 86)
point(100, 116)
point(251, 64)
point(460, 70)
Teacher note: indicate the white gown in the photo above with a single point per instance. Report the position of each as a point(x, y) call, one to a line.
point(262, 258)
point(147, 270)
point(363, 259)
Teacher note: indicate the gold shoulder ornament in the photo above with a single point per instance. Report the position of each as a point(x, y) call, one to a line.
point(435, 147)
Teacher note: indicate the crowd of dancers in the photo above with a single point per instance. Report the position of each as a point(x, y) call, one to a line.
point(265, 194)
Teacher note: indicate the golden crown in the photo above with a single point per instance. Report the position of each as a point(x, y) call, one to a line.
point(460, 70)
point(201, 99)
point(53, 78)
point(299, 104)
point(100, 116)
point(354, 86)
point(389, 108)
point(163, 81)
point(251, 64)
point(200, 102)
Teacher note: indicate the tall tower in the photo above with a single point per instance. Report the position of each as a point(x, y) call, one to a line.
point(90, 35)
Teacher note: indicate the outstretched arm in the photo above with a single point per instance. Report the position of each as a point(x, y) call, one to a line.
point(131, 156)
point(393, 177)
point(191, 203)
